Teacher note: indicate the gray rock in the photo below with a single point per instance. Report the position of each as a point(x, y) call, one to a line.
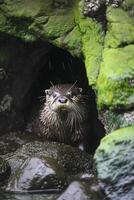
point(12, 196)
point(46, 166)
point(38, 174)
point(75, 191)
point(11, 141)
point(80, 190)
point(92, 7)
point(115, 164)
point(5, 171)
point(114, 120)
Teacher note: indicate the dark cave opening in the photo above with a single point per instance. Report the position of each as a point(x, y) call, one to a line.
point(33, 67)
point(58, 66)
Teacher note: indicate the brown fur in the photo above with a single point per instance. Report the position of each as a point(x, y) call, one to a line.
point(66, 122)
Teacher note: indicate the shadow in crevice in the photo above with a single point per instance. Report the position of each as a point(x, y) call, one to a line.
point(58, 66)
point(30, 68)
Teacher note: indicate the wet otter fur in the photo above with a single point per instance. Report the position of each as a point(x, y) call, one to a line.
point(64, 117)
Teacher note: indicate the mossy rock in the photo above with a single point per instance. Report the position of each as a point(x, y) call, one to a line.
point(23, 8)
point(59, 22)
point(26, 13)
point(115, 163)
point(120, 28)
point(115, 81)
point(73, 42)
point(92, 37)
point(113, 120)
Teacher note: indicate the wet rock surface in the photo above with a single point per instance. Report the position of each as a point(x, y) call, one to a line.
point(11, 196)
point(10, 142)
point(46, 166)
point(38, 174)
point(83, 191)
point(115, 166)
point(5, 171)
point(38, 169)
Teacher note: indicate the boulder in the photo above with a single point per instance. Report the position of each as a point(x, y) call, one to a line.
point(114, 161)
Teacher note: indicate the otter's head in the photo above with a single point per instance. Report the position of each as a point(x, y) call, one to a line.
point(64, 98)
point(64, 113)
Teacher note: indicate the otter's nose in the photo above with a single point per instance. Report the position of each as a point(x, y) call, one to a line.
point(62, 100)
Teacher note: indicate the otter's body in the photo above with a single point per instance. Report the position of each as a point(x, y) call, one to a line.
point(64, 116)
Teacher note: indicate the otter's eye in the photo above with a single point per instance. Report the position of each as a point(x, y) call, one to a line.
point(69, 93)
point(47, 92)
point(80, 90)
point(55, 94)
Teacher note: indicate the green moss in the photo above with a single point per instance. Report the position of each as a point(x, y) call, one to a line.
point(92, 44)
point(121, 135)
point(117, 69)
point(119, 34)
point(118, 15)
point(114, 82)
point(92, 50)
point(58, 25)
point(2, 19)
point(17, 27)
point(62, 25)
point(120, 28)
point(73, 42)
point(24, 8)
point(19, 15)
point(25, 19)
point(128, 4)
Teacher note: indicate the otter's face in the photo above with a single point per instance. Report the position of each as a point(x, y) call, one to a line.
point(62, 99)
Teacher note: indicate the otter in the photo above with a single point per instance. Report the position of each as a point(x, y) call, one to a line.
point(64, 116)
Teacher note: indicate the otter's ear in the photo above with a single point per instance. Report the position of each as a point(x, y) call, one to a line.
point(47, 91)
point(80, 90)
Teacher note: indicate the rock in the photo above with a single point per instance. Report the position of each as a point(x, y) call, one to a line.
point(6, 103)
point(5, 171)
point(63, 24)
point(128, 5)
point(3, 74)
point(92, 37)
point(38, 174)
point(46, 166)
point(115, 164)
point(80, 190)
point(17, 196)
point(45, 19)
point(18, 76)
point(11, 141)
point(115, 81)
point(92, 8)
point(120, 28)
point(113, 120)
point(59, 22)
